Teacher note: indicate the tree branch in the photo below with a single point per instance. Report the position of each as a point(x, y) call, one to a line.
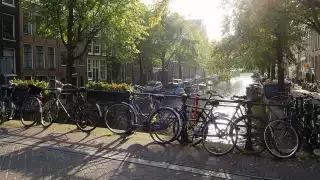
point(60, 28)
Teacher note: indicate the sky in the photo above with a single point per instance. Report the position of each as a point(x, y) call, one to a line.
point(207, 10)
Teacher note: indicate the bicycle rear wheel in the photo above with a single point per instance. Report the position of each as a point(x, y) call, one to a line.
point(86, 116)
point(281, 139)
point(219, 136)
point(119, 118)
point(50, 113)
point(31, 111)
point(165, 125)
point(250, 134)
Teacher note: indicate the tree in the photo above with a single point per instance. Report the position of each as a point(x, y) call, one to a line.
point(77, 22)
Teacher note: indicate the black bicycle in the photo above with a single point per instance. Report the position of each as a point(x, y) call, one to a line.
point(84, 113)
point(7, 107)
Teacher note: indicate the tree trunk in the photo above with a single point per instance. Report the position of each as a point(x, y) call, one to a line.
point(269, 72)
point(280, 63)
point(273, 69)
point(163, 78)
point(180, 69)
point(70, 62)
point(142, 78)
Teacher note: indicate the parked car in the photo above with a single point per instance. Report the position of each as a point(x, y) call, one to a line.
point(173, 88)
point(153, 87)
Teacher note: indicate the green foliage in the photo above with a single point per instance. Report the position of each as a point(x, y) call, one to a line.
point(24, 84)
point(101, 86)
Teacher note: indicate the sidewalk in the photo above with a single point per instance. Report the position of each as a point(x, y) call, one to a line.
point(60, 152)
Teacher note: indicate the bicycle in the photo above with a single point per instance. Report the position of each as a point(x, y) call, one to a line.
point(7, 107)
point(301, 123)
point(130, 116)
point(223, 127)
point(84, 113)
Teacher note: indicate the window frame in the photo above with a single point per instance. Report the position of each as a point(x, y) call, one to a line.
point(31, 56)
point(94, 51)
point(13, 28)
point(104, 67)
point(91, 46)
point(89, 68)
point(14, 57)
point(54, 58)
point(7, 4)
point(30, 25)
point(43, 57)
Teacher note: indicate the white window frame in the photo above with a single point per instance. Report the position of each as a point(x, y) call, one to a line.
point(90, 45)
point(31, 56)
point(89, 69)
point(7, 4)
point(29, 25)
point(14, 29)
point(43, 54)
point(94, 51)
point(105, 70)
point(54, 57)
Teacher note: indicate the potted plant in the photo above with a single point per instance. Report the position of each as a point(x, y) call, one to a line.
point(21, 89)
point(100, 91)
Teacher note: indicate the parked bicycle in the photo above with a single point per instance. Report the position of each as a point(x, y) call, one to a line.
point(84, 113)
point(284, 137)
point(7, 107)
point(123, 118)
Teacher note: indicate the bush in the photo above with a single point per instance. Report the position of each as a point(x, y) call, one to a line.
point(101, 86)
point(23, 84)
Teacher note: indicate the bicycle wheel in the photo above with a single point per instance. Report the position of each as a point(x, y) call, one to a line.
point(165, 125)
point(6, 110)
point(31, 111)
point(50, 113)
point(86, 116)
point(281, 139)
point(119, 118)
point(219, 136)
point(250, 134)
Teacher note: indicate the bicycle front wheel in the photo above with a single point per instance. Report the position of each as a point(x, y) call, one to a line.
point(31, 111)
point(86, 115)
point(219, 136)
point(50, 113)
point(281, 139)
point(164, 125)
point(119, 118)
point(6, 110)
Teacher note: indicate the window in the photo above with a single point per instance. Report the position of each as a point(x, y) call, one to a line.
point(89, 69)
point(8, 26)
point(27, 56)
point(27, 77)
point(97, 49)
point(41, 78)
point(27, 25)
point(104, 50)
point(90, 48)
point(7, 63)
point(52, 81)
point(40, 57)
point(63, 57)
point(8, 2)
point(102, 69)
point(81, 60)
point(51, 58)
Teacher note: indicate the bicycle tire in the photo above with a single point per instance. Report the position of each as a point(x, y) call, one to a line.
point(80, 109)
point(233, 135)
point(33, 105)
point(153, 126)
point(110, 115)
point(282, 154)
point(6, 110)
point(258, 133)
point(51, 107)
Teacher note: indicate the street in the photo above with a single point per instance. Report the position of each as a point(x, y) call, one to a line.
point(61, 152)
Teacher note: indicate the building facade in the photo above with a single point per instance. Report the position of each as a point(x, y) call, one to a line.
point(10, 39)
point(45, 59)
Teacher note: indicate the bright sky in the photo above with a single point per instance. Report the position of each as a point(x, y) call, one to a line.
point(207, 10)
